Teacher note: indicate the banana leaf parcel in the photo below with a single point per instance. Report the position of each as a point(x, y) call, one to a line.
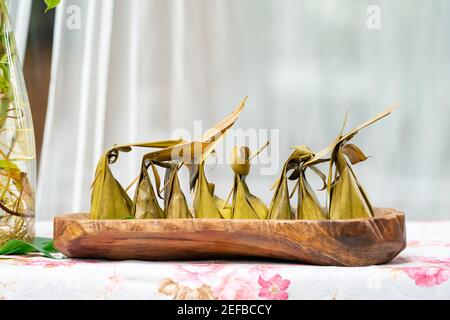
point(245, 205)
point(192, 155)
point(109, 199)
point(346, 197)
point(175, 204)
point(308, 207)
point(146, 204)
point(206, 204)
point(280, 207)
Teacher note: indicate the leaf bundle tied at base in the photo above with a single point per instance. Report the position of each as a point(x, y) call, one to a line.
point(245, 205)
point(175, 204)
point(109, 200)
point(347, 198)
point(308, 207)
point(280, 207)
point(146, 204)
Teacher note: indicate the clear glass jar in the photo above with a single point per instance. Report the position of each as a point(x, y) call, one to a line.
point(17, 145)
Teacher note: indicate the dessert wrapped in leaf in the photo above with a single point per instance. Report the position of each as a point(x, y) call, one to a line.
point(193, 155)
point(146, 204)
point(109, 199)
point(347, 197)
point(245, 205)
point(206, 204)
point(308, 207)
point(175, 204)
point(280, 207)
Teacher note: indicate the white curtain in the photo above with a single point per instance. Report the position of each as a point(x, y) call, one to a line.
point(136, 70)
point(19, 11)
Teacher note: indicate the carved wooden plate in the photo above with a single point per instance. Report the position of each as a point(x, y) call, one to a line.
point(359, 242)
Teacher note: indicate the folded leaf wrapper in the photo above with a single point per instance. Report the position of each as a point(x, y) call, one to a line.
point(109, 199)
point(280, 207)
point(348, 200)
point(206, 204)
point(308, 207)
point(146, 204)
point(245, 205)
point(346, 196)
point(175, 204)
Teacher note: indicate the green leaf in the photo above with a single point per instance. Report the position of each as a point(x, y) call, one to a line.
point(51, 4)
point(19, 247)
point(46, 243)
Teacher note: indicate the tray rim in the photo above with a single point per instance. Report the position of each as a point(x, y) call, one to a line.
point(84, 217)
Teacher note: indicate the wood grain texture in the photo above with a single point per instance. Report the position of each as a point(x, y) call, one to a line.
point(360, 242)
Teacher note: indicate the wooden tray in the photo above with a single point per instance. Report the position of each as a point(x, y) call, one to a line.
point(358, 242)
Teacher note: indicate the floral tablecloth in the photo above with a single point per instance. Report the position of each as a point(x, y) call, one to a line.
point(422, 271)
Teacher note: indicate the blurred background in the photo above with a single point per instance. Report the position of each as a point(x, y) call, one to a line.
point(116, 71)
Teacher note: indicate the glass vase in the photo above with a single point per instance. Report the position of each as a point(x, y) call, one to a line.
point(17, 145)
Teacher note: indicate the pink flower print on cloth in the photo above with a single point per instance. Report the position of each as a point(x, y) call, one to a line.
point(428, 276)
point(274, 288)
point(236, 285)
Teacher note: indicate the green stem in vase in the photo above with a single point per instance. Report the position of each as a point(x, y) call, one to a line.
point(16, 192)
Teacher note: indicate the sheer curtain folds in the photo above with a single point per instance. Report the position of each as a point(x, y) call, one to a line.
point(20, 11)
point(135, 70)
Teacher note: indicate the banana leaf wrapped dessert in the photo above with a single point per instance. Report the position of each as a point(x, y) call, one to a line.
point(245, 205)
point(206, 203)
point(109, 199)
point(308, 207)
point(346, 197)
point(280, 207)
point(175, 204)
point(193, 156)
point(146, 204)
